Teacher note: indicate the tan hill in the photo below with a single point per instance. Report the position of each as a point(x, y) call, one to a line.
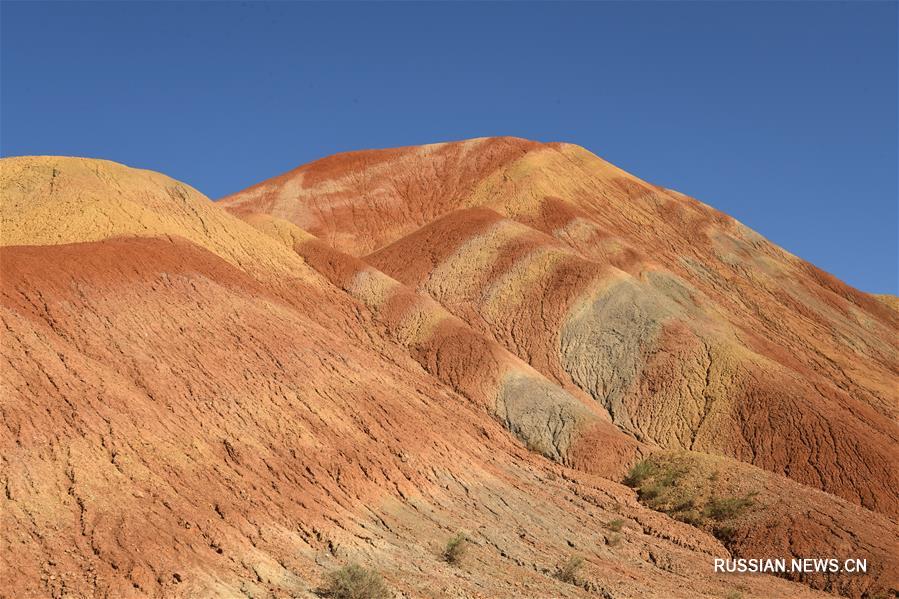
point(201, 405)
point(890, 300)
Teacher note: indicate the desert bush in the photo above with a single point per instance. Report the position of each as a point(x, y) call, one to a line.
point(355, 582)
point(672, 488)
point(725, 508)
point(455, 548)
point(654, 483)
point(650, 492)
point(639, 473)
point(687, 505)
point(615, 525)
point(613, 539)
point(691, 517)
point(568, 572)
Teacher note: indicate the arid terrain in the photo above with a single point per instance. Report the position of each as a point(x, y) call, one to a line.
point(602, 384)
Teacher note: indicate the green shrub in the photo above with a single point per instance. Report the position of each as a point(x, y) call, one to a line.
point(691, 517)
point(568, 572)
point(650, 492)
point(639, 472)
point(455, 548)
point(355, 582)
point(688, 505)
point(615, 525)
point(725, 508)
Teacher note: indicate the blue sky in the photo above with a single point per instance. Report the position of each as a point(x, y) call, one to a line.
point(783, 115)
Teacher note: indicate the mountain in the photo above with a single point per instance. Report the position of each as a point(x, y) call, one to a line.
point(691, 330)
point(359, 359)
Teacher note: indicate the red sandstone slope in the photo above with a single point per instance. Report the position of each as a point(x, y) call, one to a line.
point(199, 405)
point(786, 519)
point(191, 408)
point(691, 330)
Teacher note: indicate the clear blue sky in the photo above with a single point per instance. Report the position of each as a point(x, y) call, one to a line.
point(783, 115)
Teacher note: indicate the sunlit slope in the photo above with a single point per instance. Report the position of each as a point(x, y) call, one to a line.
point(191, 407)
point(564, 425)
point(782, 518)
point(52, 200)
point(690, 329)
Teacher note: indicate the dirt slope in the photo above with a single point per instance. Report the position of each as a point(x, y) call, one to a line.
point(786, 520)
point(194, 404)
point(190, 408)
point(692, 331)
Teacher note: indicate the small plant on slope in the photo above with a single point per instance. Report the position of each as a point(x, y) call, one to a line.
point(568, 572)
point(638, 473)
point(615, 525)
point(355, 582)
point(724, 508)
point(455, 548)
